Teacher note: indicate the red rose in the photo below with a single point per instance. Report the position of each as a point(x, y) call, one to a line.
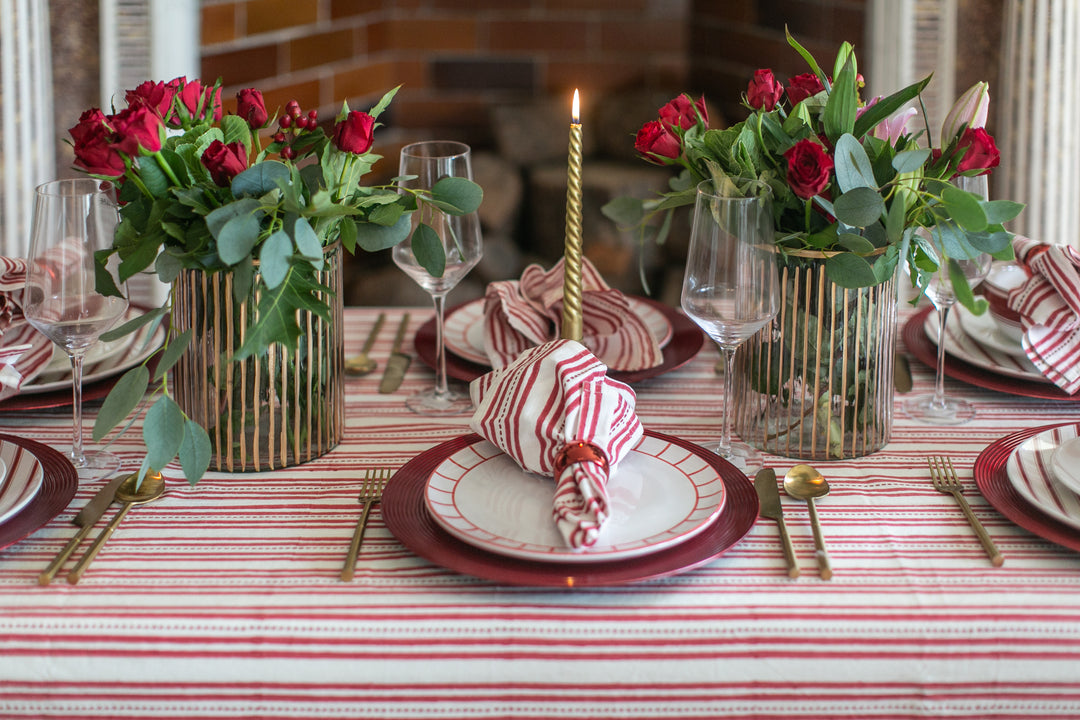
point(135, 127)
point(654, 138)
point(803, 86)
point(156, 96)
point(200, 100)
point(808, 168)
point(251, 107)
point(981, 151)
point(764, 90)
point(225, 161)
point(682, 113)
point(94, 152)
point(89, 121)
point(355, 133)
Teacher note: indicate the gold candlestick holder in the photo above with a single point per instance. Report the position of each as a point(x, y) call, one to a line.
point(572, 311)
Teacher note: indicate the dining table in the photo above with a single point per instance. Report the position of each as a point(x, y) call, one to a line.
point(224, 599)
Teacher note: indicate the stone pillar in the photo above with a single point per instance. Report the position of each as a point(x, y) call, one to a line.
point(1037, 105)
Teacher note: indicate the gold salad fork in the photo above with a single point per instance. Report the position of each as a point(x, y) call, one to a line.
point(370, 493)
point(945, 480)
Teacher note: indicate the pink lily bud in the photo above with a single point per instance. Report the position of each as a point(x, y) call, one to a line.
point(969, 109)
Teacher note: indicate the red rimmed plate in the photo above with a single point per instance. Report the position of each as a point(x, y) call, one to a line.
point(919, 345)
point(58, 488)
point(992, 478)
point(686, 341)
point(405, 513)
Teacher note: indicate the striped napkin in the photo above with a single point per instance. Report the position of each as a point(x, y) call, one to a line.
point(555, 411)
point(520, 314)
point(12, 282)
point(14, 346)
point(1049, 307)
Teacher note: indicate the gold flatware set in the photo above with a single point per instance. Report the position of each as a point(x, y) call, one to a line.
point(370, 493)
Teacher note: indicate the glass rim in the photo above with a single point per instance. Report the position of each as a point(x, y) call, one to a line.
point(706, 188)
point(72, 187)
point(449, 149)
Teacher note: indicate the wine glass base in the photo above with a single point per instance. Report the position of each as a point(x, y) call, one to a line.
point(438, 404)
point(953, 412)
point(742, 456)
point(96, 465)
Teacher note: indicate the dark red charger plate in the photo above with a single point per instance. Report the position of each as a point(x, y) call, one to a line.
point(407, 517)
point(992, 478)
point(919, 345)
point(58, 486)
point(686, 339)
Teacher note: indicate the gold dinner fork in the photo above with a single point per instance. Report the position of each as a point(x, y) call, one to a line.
point(370, 493)
point(945, 480)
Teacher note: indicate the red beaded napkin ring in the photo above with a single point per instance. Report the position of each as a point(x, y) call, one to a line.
point(580, 452)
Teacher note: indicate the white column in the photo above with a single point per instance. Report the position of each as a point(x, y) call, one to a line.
point(1037, 108)
point(28, 141)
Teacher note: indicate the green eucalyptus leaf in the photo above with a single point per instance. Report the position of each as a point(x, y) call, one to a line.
point(217, 219)
point(163, 431)
point(894, 220)
point(428, 249)
point(260, 179)
point(308, 243)
point(104, 282)
point(372, 238)
point(121, 400)
point(624, 211)
point(167, 267)
point(855, 243)
point(964, 208)
point(991, 243)
point(853, 167)
point(237, 238)
point(910, 160)
point(172, 353)
point(962, 288)
point(859, 207)
point(195, 451)
point(274, 258)
point(347, 234)
point(463, 195)
point(1001, 211)
point(133, 324)
point(849, 270)
point(243, 278)
point(386, 214)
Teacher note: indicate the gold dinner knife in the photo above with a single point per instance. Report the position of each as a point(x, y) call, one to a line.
point(398, 362)
point(768, 493)
point(86, 519)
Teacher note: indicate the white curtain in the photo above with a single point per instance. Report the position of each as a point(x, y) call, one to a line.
point(28, 156)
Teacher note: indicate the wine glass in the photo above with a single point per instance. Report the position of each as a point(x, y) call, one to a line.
point(731, 288)
point(72, 220)
point(935, 408)
point(422, 165)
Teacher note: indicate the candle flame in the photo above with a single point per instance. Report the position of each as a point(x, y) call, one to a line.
point(576, 112)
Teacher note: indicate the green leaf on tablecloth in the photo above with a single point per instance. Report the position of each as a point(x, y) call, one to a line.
point(122, 399)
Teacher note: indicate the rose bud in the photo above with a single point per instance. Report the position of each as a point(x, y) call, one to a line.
point(980, 151)
point(224, 161)
point(803, 86)
point(355, 133)
point(655, 139)
point(764, 90)
point(251, 107)
point(680, 112)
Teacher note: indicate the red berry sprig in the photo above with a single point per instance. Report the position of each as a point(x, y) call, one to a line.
point(292, 124)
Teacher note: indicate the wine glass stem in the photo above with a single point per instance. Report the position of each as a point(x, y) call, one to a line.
point(725, 427)
point(939, 379)
point(441, 387)
point(77, 455)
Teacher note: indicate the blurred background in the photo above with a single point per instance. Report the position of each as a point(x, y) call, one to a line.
point(499, 75)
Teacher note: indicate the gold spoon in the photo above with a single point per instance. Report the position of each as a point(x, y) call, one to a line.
point(153, 487)
point(803, 482)
point(362, 364)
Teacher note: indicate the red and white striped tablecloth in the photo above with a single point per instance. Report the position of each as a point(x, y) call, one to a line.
point(224, 600)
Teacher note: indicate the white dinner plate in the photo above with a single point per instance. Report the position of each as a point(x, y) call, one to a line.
point(660, 495)
point(22, 479)
point(1065, 463)
point(32, 361)
point(1030, 472)
point(464, 328)
point(961, 346)
point(137, 347)
point(984, 330)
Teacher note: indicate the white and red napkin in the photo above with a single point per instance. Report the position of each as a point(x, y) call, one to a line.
point(519, 314)
point(14, 346)
point(1049, 307)
point(555, 411)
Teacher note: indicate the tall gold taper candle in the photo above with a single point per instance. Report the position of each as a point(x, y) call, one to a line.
point(571, 314)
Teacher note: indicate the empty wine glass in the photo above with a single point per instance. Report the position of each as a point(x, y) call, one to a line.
point(72, 220)
point(935, 408)
point(422, 165)
point(731, 288)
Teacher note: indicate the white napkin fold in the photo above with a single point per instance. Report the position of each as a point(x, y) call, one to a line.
point(1049, 307)
point(555, 411)
point(14, 346)
point(519, 314)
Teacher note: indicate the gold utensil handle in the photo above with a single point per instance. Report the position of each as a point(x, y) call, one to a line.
point(99, 541)
point(399, 338)
point(789, 550)
point(373, 334)
point(49, 573)
point(354, 547)
point(820, 552)
point(996, 558)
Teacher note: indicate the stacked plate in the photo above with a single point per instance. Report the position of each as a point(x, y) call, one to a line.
point(679, 338)
point(36, 484)
point(1033, 478)
point(467, 506)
